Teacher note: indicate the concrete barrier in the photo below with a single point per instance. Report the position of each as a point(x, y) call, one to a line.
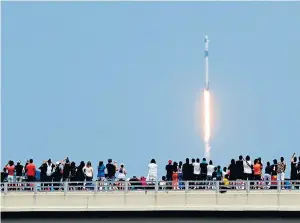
point(139, 201)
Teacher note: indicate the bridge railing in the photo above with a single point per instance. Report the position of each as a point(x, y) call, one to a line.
point(159, 186)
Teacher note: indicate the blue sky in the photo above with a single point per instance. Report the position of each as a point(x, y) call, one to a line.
point(124, 81)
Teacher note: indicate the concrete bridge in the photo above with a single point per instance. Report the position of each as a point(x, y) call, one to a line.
point(202, 200)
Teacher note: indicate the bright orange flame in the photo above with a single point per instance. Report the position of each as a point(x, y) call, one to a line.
point(207, 122)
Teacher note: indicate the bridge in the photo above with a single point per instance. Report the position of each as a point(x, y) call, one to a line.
point(212, 197)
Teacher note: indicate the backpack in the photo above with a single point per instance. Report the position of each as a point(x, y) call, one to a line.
point(49, 170)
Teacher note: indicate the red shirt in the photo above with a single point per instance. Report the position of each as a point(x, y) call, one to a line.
point(10, 170)
point(31, 169)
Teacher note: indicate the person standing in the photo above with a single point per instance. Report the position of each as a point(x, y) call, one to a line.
point(175, 176)
point(294, 169)
point(210, 170)
point(57, 176)
point(267, 175)
point(19, 172)
point(186, 170)
point(197, 169)
point(10, 167)
point(240, 168)
point(232, 170)
point(281, 171)
point(180, 175)
point(247, 168)
point(152, 171)
point(89, 173)
point(169, 171)
point(80, 175)
point(31, 171)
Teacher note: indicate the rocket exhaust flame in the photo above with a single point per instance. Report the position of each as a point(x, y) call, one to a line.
point(206, 106)
point(207, 122)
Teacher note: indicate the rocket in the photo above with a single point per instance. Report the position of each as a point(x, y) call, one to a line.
point(206, 62)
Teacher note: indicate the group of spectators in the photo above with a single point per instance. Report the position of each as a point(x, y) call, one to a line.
point(176, 172)
point(238, 170)
point(64, 170)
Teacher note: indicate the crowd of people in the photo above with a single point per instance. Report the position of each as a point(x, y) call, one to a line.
point(176, 173)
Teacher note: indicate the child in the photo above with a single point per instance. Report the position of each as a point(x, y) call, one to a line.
point(162, 183)
point(225, 187)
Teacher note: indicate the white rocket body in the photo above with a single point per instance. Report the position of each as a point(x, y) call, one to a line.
point(206, 63)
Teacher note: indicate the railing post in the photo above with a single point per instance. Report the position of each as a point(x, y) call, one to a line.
point(96, 186)
point(186, 186)
point(65, 187)
point(126, 187)
point(218, 187)
point(156, 186)
point(35, 187)
point(248, 186)
point(5, 188)
point(279, 185)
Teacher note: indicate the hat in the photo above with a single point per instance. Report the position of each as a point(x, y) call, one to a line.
point(170, 161)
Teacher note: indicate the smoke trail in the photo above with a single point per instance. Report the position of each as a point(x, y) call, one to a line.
point(207, 123)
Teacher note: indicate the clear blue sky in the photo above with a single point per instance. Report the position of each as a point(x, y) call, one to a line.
point(121, 80)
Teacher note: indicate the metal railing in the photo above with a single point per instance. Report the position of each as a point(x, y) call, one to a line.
point(129, 186)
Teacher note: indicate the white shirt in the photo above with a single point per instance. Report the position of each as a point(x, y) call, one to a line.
point(247, 168)
point(88, 171)
point(210, 170)
point(123, 174)
point(152, 171)
point(196, 168)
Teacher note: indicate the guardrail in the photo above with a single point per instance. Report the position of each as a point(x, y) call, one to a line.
point(129, 186)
